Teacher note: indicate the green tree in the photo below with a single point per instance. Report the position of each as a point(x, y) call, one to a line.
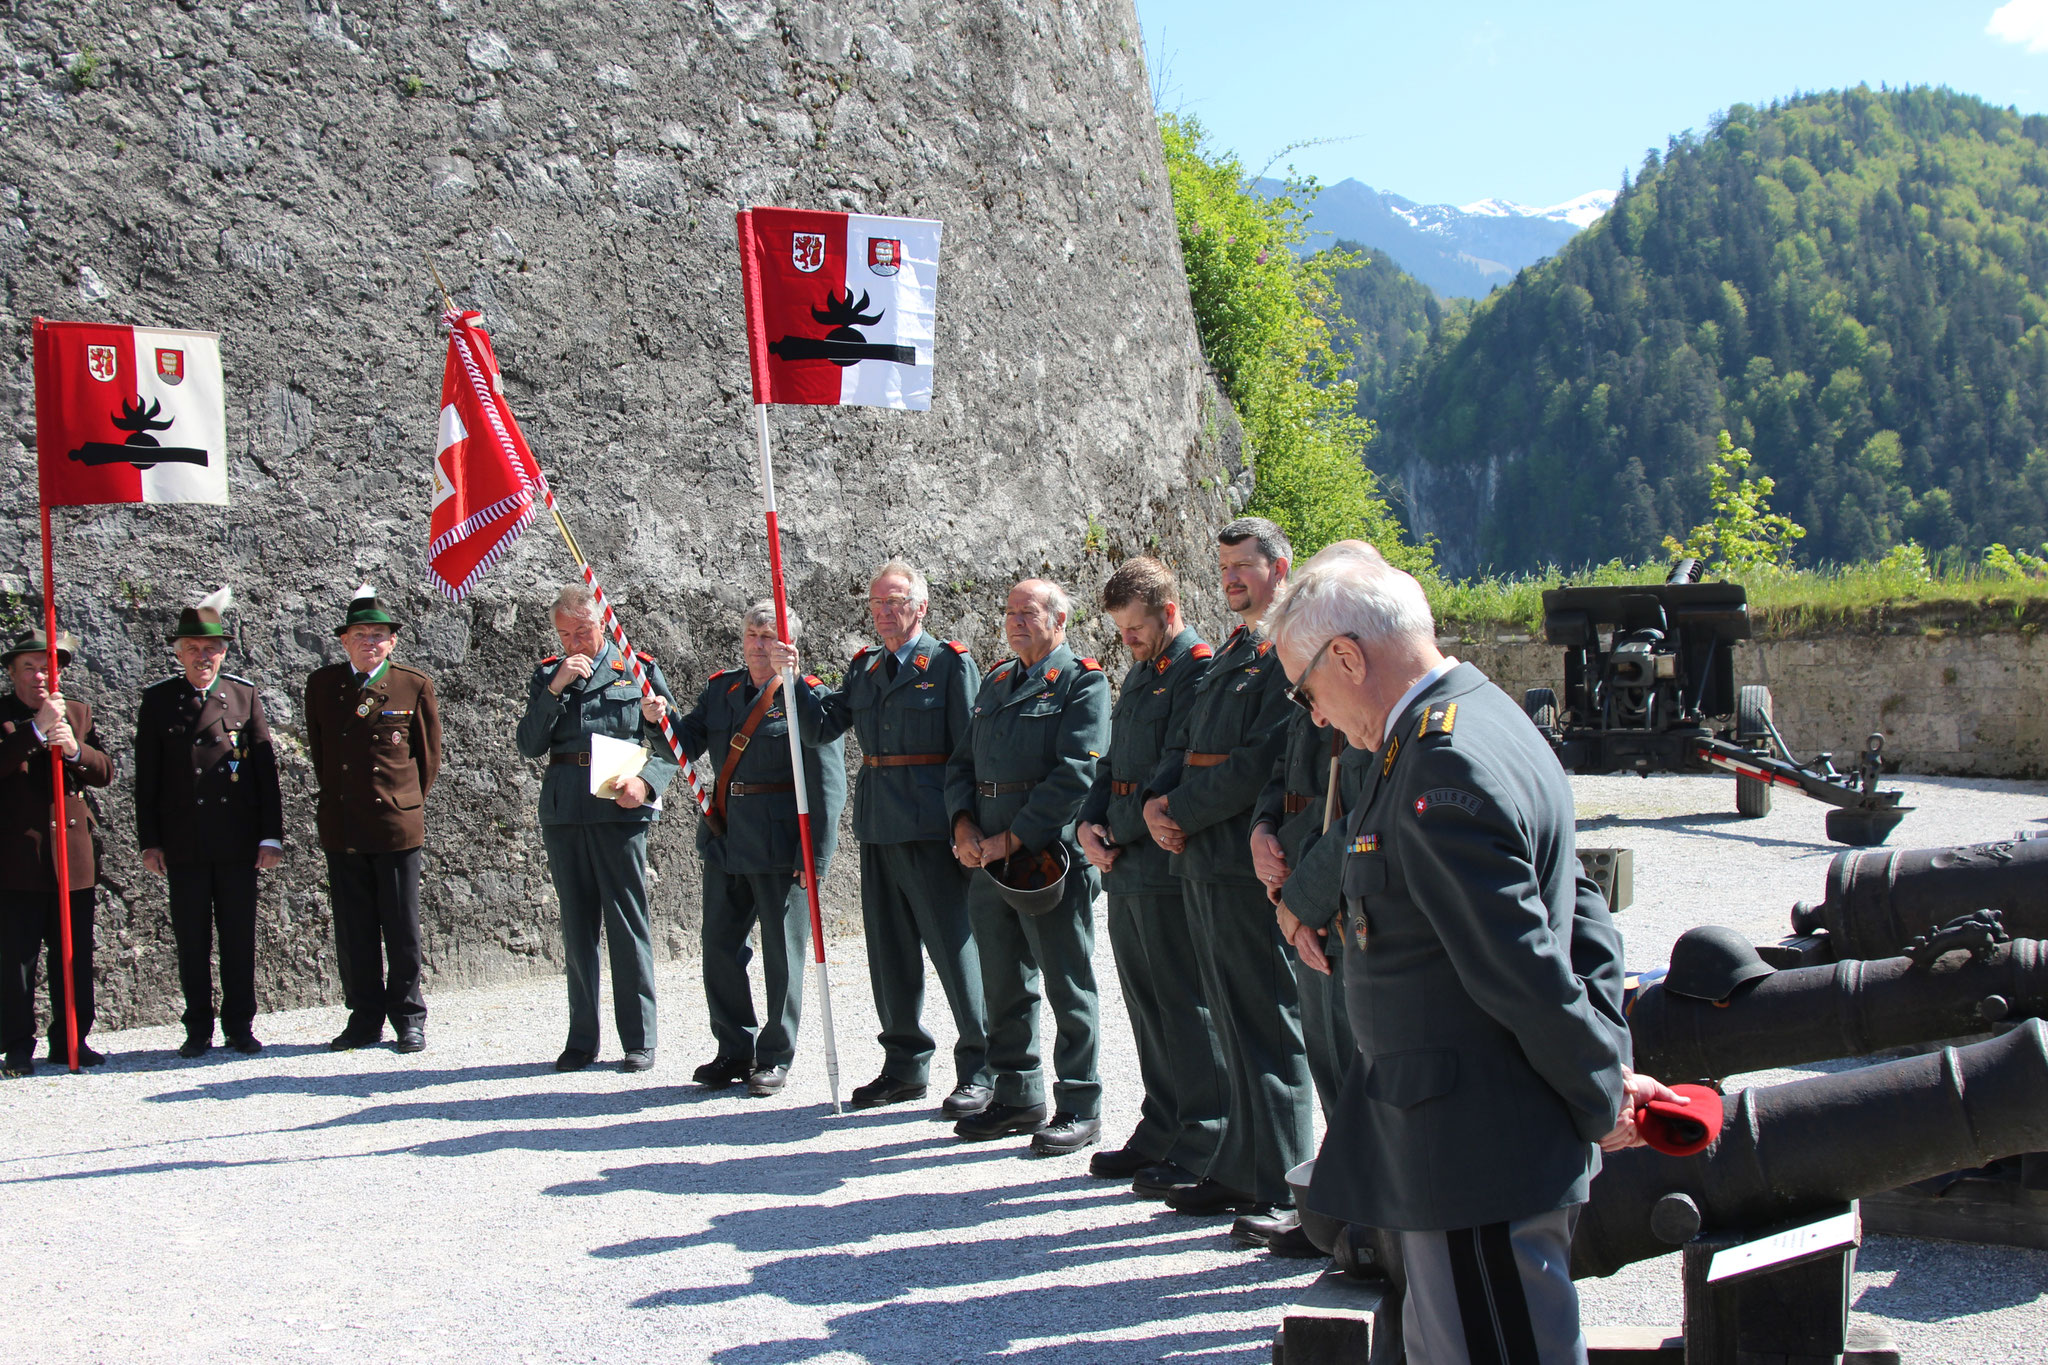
point(1745, 537)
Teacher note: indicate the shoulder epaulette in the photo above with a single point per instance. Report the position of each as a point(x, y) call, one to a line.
point(643, 656)
point(238, 678)
point(723, 671)
point(956, 646)
point(1090, 665)
point(408, 668)
point(1439, 719)
point(811, 680)
point(551, 659)
point(1201, 650)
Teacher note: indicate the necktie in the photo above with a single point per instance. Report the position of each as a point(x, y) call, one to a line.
point(362, 680)
point(892, 663)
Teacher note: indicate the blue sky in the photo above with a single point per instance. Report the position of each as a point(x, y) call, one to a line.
point(1537, 102)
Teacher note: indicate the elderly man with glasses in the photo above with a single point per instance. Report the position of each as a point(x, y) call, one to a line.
point(907, 702)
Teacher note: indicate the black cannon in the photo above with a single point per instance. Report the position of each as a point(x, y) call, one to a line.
point(1877, 903)
point(1649, 686)
point(1790, 1151)
point(1684, 1030)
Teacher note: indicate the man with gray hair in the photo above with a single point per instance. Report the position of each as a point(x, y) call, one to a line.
point(1483, 976)
point(597, 846)
point(752, 850)
point(907, 701)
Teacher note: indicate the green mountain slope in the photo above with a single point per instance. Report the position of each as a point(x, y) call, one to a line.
point(1855, 284)
point(1393, 314)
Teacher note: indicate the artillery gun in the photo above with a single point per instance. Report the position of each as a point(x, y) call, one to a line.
point(1649, 686)
point(1877, 903)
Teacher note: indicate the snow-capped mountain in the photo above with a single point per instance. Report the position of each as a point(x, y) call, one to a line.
point(1457, 250)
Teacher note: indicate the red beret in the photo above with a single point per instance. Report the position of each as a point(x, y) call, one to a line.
point(1681, 1129)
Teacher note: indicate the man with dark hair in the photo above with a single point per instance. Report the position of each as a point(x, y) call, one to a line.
point(907, 701)
point(1199, 807)
point(1181, 1116)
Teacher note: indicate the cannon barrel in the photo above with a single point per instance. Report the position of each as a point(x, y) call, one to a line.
point(1877, 902)
point(1790, 1151)
point(1845, 1009)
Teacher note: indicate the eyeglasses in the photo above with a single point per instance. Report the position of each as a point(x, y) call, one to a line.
point(1298, 692)
point(897, 603)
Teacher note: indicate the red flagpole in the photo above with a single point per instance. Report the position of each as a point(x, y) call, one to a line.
point(59, 843)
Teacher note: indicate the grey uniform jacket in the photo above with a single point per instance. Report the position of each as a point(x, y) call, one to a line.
point(1239, 709)
point(761, 828)
point(1154, 697)
point(606, 703)
point(922, 711)
point(1046, 737)
point(1483, 979)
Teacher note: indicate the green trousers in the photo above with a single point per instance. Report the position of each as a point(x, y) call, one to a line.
point(1019, 953)
point(733, 905)
point(1248, 978)
point(1325, 1021)
point(913, 902)
point(600, 876)
point(1181, 1117)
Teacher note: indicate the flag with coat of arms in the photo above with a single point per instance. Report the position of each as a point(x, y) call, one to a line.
point(841, 307)
point(485, 481)
point(128, 414)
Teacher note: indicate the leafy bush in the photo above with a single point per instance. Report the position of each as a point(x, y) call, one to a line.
point(1745, 537)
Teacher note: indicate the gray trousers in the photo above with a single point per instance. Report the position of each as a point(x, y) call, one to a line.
point(600, 875)
point(1181, 1117)
point(733, 904)
point(913, 902)
point(1018, 954)
point(1249, 981)
point(1495, 1295)
point(1326, 1021)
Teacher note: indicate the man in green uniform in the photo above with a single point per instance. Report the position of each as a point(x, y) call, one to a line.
point(373, 733)
point(1015, 784)
point(597, 845)
point(906, 700)
point(1181, 1116)
point(753, 857)
point(209, 815)
point(1199, 806)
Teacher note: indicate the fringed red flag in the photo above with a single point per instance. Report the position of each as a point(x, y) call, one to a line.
point(486, 484)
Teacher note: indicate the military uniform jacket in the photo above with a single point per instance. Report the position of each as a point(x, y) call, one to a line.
point(922, 710)
point(1154, 697)
point(1483, 978)
point(206, 788)
point(27, 853)
point(1240, 708)
point(761, 834)
point(375, 750)
point(1303, 771)
point(1050, 733)
point(1314, 891)
point(606, 703)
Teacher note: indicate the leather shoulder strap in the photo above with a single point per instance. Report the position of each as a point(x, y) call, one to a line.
point(736, 746)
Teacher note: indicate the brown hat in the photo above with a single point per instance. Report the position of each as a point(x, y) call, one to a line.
point(204, 622)
point(34, 642)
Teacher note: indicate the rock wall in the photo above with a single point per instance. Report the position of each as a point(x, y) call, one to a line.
point(283, 171)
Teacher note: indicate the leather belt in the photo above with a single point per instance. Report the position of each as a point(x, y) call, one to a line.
point(758, 788)
point(900, 760)
point(1003, 788)
point(1117, 788)
point(1294, 803)
point(1196, 760)
point(580, 759)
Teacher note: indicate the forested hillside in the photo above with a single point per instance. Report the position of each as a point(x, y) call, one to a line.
point(1854, 284)
point(1392, 315)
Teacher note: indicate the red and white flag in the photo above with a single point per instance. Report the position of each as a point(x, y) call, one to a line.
point(128, 414)
point(840, 306)
point(485, 480)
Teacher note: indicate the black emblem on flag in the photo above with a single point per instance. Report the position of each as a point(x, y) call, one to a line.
point(843, 345)
point(140, 449)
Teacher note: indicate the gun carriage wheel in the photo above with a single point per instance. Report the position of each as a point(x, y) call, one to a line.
point(1753, 727)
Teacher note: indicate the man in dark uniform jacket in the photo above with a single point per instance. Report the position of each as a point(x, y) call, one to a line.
point(1200, 807)
point(597, 846)
point(33, 721)
point(1181, 1116)
point(373, 732)
point(1039, 727)
point(907, 700)
point(1484, 977)
point(208, 816)
point(753, 856)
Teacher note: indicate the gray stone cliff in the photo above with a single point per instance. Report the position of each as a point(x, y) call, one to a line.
point(281, 171)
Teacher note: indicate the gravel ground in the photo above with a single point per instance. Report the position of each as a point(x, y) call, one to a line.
point(469, 1203)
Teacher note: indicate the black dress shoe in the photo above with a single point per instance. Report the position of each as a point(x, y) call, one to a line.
point(723, 1070)
point(411, 1038)
point(885, 1089)
point(195, 1046)
point(766, 1080)
point(349, 1039)
point(1208, 1197)
point(1001, 1120)
point(574, 1059)
point(966, 1101)
point(1259, 1227)
point(86, 1056)
point(246, 1044)
point(637, 1059)
point(1121, 1164)
point(1294, 1244)
point(1163, 1180)
point(1066, 1133)
point(18, 1064)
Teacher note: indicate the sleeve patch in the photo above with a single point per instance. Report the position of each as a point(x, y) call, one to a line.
point(1439, 720)
point(1447, 796)
point(956, 646)
point(1091, 666)
point(1202, 651)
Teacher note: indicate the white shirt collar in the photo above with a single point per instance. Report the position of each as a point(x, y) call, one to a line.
point(1415, 689)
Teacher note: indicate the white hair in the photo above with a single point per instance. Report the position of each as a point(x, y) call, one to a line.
point(920, 591)
point(577, 600)
point(762, 613)
point(1348, 588)
point(1053, 598)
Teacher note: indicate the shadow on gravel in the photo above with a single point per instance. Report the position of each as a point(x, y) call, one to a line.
point(359, 1084)
point(1722, 825)
point(1944, 1281)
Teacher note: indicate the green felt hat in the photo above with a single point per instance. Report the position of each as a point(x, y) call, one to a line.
point(203, 622)
point(34, 642)
point(367, 609)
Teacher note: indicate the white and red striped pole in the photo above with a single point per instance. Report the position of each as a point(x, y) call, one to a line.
point(796, 761)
